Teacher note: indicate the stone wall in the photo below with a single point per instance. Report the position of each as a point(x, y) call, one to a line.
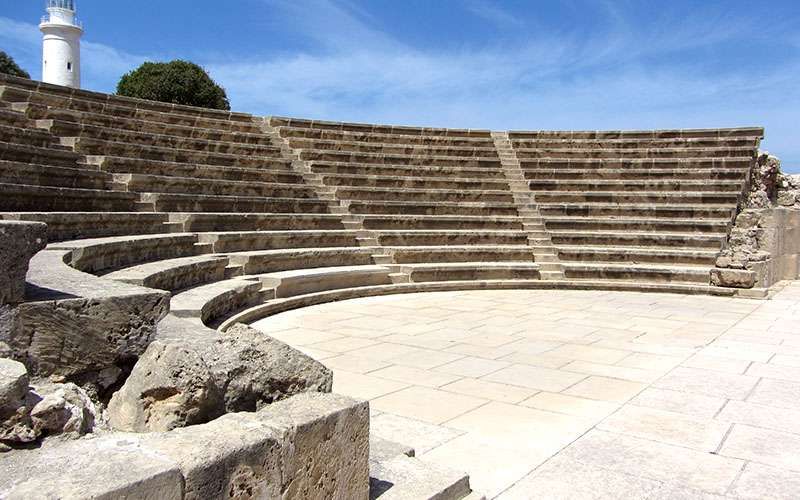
point(764, 242)
point(310, 446)
point(19, 241)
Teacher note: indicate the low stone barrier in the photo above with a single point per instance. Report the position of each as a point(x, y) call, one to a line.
point(310, 446)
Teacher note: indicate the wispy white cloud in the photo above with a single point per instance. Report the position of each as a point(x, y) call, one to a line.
point(494, 14)
point(101, 65)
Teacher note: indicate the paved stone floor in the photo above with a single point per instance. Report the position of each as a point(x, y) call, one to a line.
point(571, 395)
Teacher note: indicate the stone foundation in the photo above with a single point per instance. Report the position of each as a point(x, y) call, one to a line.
point(311, 446)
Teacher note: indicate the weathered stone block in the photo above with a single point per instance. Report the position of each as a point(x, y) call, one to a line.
point(329, 434)
point(106, 468)
point(733, 278)
point(311, 446)
point(195, 375)
point(19, 241)
point(170, 386)
point(73, 324)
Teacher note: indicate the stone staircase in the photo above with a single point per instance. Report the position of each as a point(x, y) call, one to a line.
point(543, 250)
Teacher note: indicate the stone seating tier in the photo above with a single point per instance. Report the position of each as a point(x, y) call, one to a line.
point(33, 198)
point(280, 173)
point(189, 185)
point(147, 139)
point(384, 138)
point(16, 172)
point(278, 122)
point(636, 143)
point(638, 174)
point(35, 107)
point(638, 134)
point(166, 202)
point(98, 147)
point(69, 120)
point(45, 90)
point(431, 170)
point(393, 148)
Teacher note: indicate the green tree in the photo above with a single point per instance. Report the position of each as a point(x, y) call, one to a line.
point(177, 82)
point(9, 67)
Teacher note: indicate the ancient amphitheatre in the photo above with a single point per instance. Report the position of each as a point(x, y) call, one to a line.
point(435, 313)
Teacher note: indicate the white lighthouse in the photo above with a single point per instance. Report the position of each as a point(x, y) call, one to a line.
point(61, 62)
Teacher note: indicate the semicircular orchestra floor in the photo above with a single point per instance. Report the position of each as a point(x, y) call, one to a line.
point(569, 394)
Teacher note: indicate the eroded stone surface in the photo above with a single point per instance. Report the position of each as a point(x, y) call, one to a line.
point(182, 381)
point(19, 241)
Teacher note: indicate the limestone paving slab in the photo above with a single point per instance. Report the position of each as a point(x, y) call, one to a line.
point(577, 394)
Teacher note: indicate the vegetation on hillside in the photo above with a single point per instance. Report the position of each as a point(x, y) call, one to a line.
point(177, 82)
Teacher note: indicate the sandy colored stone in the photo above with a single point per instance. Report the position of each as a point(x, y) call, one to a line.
point(19, 241)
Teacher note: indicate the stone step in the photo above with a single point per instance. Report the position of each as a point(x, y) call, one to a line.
point(15, 172)
point(398, 159)
point(463, 253)
point(727, 152)
point(364, 207)
point(428, 170)
point(251, 135)
point(409, 222)
point(634, 163)
point(29, 136)
point(148, 139)
point(170, 202)
point(98, 147)
point(175, 274)
point(633, 197)
point(187, 185)
point(650, 273)
point(639, 239)
point(408, 478)
point(598, 185)
point(281, 305)
point(13, 118)
point(69, 98)
point(667, 174)
point(407, 194)
point(382, 138)
point(321, 145)
point(244, 241)
point(637, 255)
point(279, 121)
point(213, 302)
point(639, 224)
point(312, 280)
point(635, 134)
point(413, 182)
point(268, 170)
point(637, 143)
point(673, 210)
point(32, 198)
point(104, 255)
point(215, 222)
point(469, 271)
point(452, 237)
point(39, 155)
point(63, 226)
point(286, 259)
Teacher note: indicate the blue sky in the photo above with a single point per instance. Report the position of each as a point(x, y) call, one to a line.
point(510, 64)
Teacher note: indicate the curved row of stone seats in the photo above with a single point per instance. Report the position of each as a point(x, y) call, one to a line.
point(272, 170)
point(24, 90)
point(86, 122)
point(654, 206)
point(442, 192)
point(301, 123)
point(87, 137)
